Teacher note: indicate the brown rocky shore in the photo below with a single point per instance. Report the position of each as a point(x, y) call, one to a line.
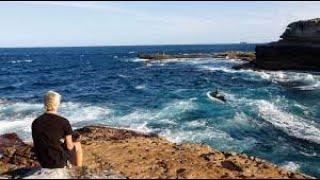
point(121, 153)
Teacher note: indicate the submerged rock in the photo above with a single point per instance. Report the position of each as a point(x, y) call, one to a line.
point(120, 153)
point(298, 48)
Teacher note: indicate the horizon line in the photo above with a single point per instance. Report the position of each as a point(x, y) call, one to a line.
point(88, 46)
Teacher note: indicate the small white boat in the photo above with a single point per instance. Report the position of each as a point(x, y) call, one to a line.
point(214, 98)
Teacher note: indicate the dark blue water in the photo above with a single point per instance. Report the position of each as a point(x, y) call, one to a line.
point(273, 115)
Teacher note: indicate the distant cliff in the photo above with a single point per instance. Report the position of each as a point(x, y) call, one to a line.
point(298, 48)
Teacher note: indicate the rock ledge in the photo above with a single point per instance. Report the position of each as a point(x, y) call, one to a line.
point(129, 154)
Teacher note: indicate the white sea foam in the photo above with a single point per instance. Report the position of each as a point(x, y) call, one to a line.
point(217, 68)
point(139, 60)
point(197, 123)
point(291, 166)
point(298, 80)
point(167, 122)
point(18, 117)
point(180, 135)
point(302, 81)
point(175, 108)
point(313, 154)
point(139, 118)
point(291, 124)
point(78, 112)
point(139, 87)
point(241, 118)
point(220, 138)
point(123, 76)
point(224, 67)
point(274, 112)
point(22, 61)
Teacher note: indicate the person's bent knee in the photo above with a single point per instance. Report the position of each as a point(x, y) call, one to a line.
point(77, 147)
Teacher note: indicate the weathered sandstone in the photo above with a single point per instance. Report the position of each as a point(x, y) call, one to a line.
point(120, 153)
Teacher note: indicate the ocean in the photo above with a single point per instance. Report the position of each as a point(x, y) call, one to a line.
point(272, 115)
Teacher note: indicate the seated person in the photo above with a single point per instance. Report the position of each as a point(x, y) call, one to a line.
point(53, 137)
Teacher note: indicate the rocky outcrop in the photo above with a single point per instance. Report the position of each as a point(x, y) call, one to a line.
point(240, 55)
point(298, 48)
point(120, 153)
point(245, 56)
point(16, 157)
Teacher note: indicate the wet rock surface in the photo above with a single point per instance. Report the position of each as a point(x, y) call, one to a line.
point(120, 153)
point(245, 56)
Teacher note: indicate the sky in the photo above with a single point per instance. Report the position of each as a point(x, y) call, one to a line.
point(52, 24)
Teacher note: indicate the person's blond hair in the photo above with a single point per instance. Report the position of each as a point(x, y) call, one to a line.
point(52, 101)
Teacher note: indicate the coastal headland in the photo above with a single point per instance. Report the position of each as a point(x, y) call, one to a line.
point(297, 49)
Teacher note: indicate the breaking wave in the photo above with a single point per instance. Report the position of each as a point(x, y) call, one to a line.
point(18, 116)
point(291, 166)
point(301, 81)
point(291, 124)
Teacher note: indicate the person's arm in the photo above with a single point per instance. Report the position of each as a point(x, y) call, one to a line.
point(69, 142)
point(68, 135)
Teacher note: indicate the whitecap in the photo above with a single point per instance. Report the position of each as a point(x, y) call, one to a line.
point(291, 124)
point(313, 154)
point(123, 76)
point(297, 80)
point(139, 119)
point(217, 68)
point(197, 123)
point(175, 108)
point(139, 87)
point(22, 61)
point(77, 112)
point(167, 122)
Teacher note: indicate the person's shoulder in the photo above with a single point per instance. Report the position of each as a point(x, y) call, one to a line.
point(37, 119)
point(59, 117)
